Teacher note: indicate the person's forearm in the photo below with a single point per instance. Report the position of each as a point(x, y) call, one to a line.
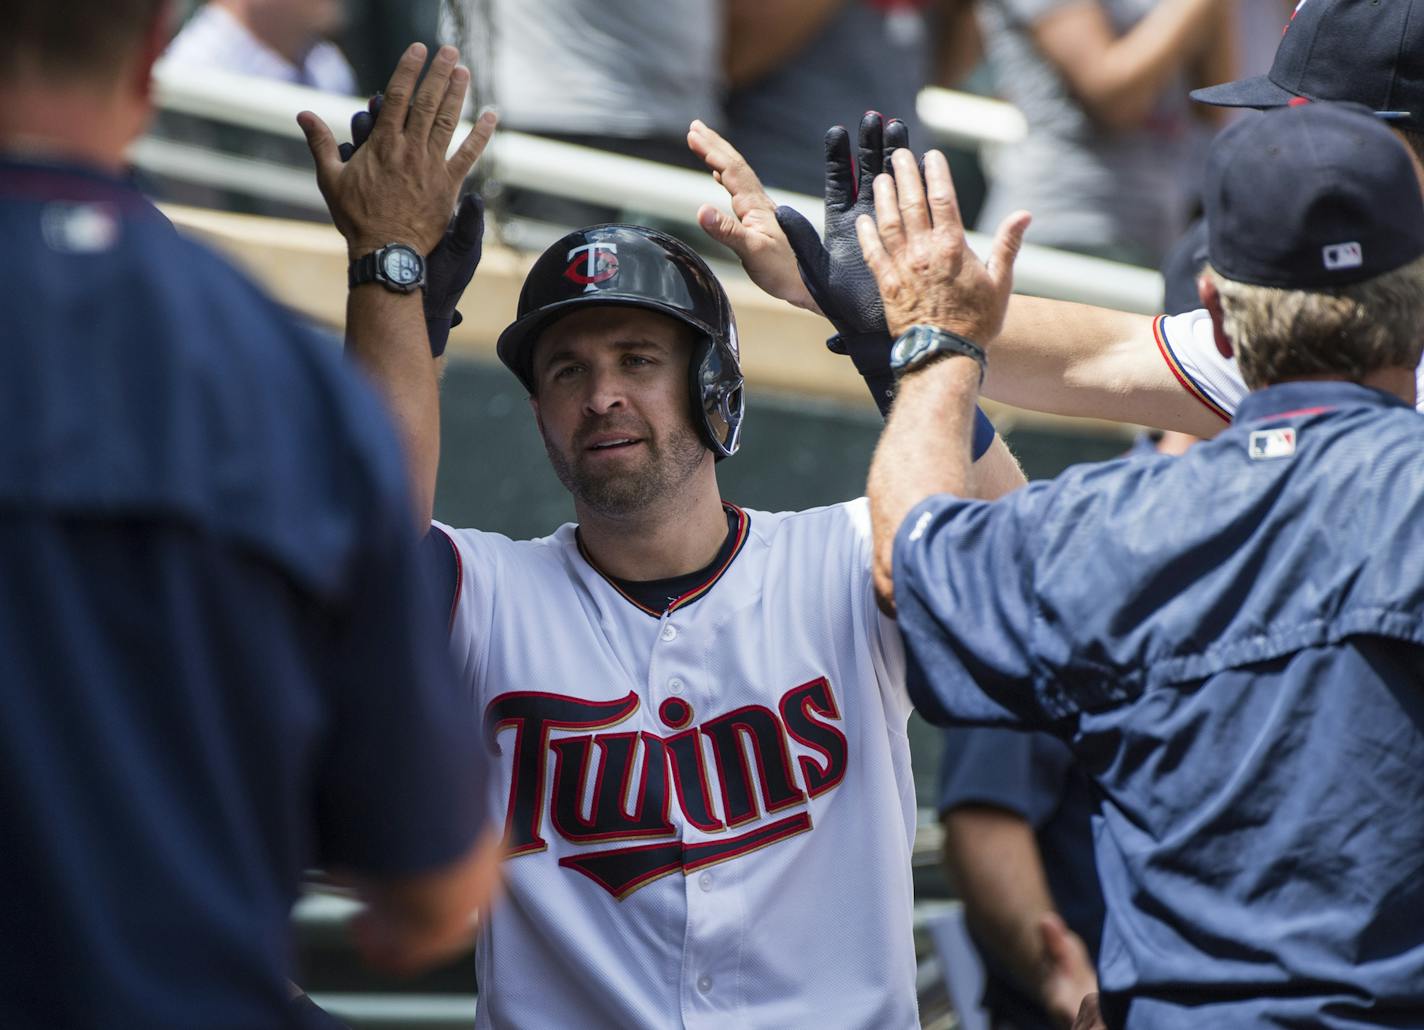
point(924, 450)
point(1218, 61)
point(959, 44)
point(414, 922)
point(386, 335)
point(997, 472)
point(1074, 359)
point(761, 34)
point(1120, 84)
point(995, 867)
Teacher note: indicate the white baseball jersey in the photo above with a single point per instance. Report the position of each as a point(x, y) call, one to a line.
point(1188, 345)
point(709, 810)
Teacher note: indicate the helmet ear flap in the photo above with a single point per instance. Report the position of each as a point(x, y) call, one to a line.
point(718, 396)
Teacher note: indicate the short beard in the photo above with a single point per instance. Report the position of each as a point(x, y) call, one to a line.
point(619, 494)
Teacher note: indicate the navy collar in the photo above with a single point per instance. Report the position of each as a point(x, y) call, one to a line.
point(35, 178)
point(1313, 397)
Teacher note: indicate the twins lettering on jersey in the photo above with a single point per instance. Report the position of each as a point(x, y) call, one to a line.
point(669, 768)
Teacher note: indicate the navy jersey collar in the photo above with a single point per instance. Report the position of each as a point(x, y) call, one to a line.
point(37, 178)
point(1286, 400)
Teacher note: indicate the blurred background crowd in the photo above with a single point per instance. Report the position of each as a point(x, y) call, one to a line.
point(1107, 154)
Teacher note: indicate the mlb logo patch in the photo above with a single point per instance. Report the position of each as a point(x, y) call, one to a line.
point(80, 228)
point(1343, 255)
point(1271, 443)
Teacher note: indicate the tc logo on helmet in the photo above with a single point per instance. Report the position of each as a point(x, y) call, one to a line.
point(592, 263)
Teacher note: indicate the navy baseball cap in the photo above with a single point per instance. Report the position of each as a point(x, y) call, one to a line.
point(1368, 52)
point(1311, 197)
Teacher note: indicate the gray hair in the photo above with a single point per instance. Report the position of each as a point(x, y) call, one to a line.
point(1348, 331)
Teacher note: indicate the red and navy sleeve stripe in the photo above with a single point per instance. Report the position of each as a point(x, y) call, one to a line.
point(1189, 384)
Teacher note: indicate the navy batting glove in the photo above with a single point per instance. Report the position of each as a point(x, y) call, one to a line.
point(362, 122)
point(834, 271)
point(451, 265)
point(449, 269)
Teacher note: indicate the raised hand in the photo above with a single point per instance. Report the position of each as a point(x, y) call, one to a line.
point(751, 230)
point(399, 186)
point(834, 271)
point(451, 265)
point(925, 270)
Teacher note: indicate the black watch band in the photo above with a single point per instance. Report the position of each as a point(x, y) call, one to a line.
point(921, 344)
point(396, 266)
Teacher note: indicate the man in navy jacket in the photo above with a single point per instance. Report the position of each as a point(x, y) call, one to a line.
point(1231, 641)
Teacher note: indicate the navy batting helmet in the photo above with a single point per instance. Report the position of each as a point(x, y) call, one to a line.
point(632, 266)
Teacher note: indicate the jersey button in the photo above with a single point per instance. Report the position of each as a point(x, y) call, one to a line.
point(669, 632)
point(675, 685)
point(705, 881)
point(705, 985)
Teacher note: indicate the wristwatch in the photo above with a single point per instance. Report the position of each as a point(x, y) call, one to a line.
point(395, 266)
point(922, 344)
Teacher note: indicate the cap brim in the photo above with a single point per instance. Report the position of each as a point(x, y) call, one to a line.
point(1257, 91)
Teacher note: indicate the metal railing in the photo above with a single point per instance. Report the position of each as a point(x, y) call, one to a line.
point(580, 173)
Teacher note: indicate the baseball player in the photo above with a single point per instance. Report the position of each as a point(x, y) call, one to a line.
point(1074, 359)
point(698, 709)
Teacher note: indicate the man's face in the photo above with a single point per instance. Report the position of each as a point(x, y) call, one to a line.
point(612, 403)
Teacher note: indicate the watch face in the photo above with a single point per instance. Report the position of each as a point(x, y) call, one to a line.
point(910, 346)
point(401, 266)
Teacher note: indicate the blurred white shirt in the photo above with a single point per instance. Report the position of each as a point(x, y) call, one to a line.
point(213, 38)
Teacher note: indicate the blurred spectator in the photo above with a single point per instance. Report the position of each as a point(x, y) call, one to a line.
point(624, 75)
point(1110, 161)
point(796, 67)
point(1180, 269)
point(287, 40)
point(377, 32)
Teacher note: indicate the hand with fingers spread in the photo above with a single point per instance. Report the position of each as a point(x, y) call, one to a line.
point(751, 230)
point(399, 187)
point(834, 270)
point(781, 250)
point(783, 254)
point(451, 265)
point(926, 272)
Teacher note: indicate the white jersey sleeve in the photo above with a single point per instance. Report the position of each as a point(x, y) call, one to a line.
point(1188, 345)
point(478, 560)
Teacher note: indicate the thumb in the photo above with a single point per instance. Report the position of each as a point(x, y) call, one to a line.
point(322, 144)
point(1060, 944)
point(805, 242)
point(1054, 936)
point(1007, 241)
point(721, 226)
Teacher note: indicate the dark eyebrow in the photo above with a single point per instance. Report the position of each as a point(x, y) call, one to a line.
point(632, 343)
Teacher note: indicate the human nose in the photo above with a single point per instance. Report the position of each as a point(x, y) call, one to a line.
point(605, 392)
